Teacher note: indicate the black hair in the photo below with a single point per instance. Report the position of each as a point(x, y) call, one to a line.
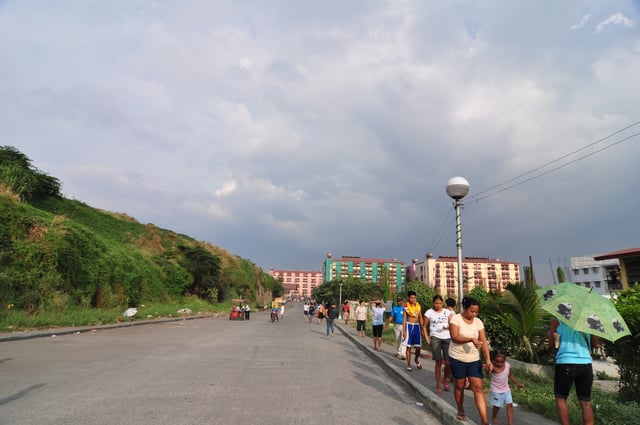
point(450, 302)
point(437, 297)
point(468, 302)
point(498, 352)
point(411, 293)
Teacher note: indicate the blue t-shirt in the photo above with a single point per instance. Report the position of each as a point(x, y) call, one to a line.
point(573, 346)
point(397, 312)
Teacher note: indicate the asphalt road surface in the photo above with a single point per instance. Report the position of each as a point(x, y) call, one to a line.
point(205, 371)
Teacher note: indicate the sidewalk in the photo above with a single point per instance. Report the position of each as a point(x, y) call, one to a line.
point(423, 382)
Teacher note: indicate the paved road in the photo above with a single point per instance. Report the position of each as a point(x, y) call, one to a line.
point(205, 371)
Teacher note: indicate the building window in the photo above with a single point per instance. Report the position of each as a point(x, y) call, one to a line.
point(585, 270)
point(597, 283)
point(587, 285)
point(575, 272)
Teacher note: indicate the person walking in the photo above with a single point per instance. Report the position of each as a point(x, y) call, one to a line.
point(500, 391)
point(282, 311)
point(247, 311)
point(378, 325)
point(361, 318)
point(396, 319)
point(412, 329)
point(331, 315)
point(468, 339)
point(450, 304)
point(346, 309)
point(321, 309)
point(573, 365)
point(437, 321)
point(312, 310)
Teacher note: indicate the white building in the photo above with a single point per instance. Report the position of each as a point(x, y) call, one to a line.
point(602, 276)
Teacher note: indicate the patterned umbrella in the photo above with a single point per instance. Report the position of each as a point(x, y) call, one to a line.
point(583, 310)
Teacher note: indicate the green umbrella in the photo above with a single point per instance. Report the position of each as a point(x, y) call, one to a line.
point(583, 310)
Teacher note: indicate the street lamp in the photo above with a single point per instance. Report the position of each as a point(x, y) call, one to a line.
point(340, 304)
point(458, 188)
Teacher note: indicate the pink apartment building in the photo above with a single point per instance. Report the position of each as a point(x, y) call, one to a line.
point(298, 283)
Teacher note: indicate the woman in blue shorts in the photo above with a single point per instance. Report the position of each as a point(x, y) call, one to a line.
point(467, 340)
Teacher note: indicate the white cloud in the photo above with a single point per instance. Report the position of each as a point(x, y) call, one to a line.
point(227, 189)
point(284, 132)
point(615, 19)
point(580, 24)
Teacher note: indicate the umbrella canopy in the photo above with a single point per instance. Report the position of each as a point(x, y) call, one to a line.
point(583, 310)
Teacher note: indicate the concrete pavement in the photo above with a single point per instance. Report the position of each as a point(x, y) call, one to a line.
point(192, 372)
point(422, 383)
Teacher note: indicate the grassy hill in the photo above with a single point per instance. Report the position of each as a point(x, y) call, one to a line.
point(58, 255)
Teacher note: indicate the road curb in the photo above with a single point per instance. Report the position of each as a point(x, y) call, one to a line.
point(17, 336)
point(438, 407)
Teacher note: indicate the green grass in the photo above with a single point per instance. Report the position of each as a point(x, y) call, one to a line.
point(19, 321)
point(537, 396)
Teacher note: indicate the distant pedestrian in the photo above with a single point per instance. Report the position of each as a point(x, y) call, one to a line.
point(312, 310)
point(378, 324)
point(247, 311)
point(437, 321)
point(573, 365)
point(500, 391)
point(361, 318)
point(321, 310)
point(468, 339)
point(396, 319)
point(412, 328)
point(282, 311)
point(346, 309)
point(305, 310)
point(331, 315)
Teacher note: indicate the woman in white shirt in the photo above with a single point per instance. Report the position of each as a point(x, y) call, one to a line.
point(468, 338)
point(437, 320)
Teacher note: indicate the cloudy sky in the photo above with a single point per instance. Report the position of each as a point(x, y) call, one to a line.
point(283, 130)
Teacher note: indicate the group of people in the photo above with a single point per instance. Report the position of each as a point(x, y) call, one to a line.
point(321, 311)
point(457, 341)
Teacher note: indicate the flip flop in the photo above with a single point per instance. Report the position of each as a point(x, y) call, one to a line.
point(408, 369)
point(419, 365)
point(445, 386)
point(461, 417)
point(438, 391)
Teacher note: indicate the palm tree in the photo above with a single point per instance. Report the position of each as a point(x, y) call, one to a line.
point(521, 313)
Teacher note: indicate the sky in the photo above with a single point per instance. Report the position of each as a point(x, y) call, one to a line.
point(285, 130)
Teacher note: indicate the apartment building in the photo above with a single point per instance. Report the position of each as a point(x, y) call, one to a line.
point(441, 273)
point(372, 270)
point(298, 283)
point(602, 276)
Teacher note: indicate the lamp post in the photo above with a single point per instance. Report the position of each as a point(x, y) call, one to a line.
point(458, 188)
point(340, 304)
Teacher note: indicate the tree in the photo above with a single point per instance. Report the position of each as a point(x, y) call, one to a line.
point(205, 269)
point(24, 180)
point(519, 308)
point(560, 273)
point(626, 351)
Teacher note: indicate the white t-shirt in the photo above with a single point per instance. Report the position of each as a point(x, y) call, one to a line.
point(361, 313)
point(378, 315)
point(466, 352)
point(438, 323)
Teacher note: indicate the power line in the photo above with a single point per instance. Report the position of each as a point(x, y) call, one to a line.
point(476, 197)
point(489, 192)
